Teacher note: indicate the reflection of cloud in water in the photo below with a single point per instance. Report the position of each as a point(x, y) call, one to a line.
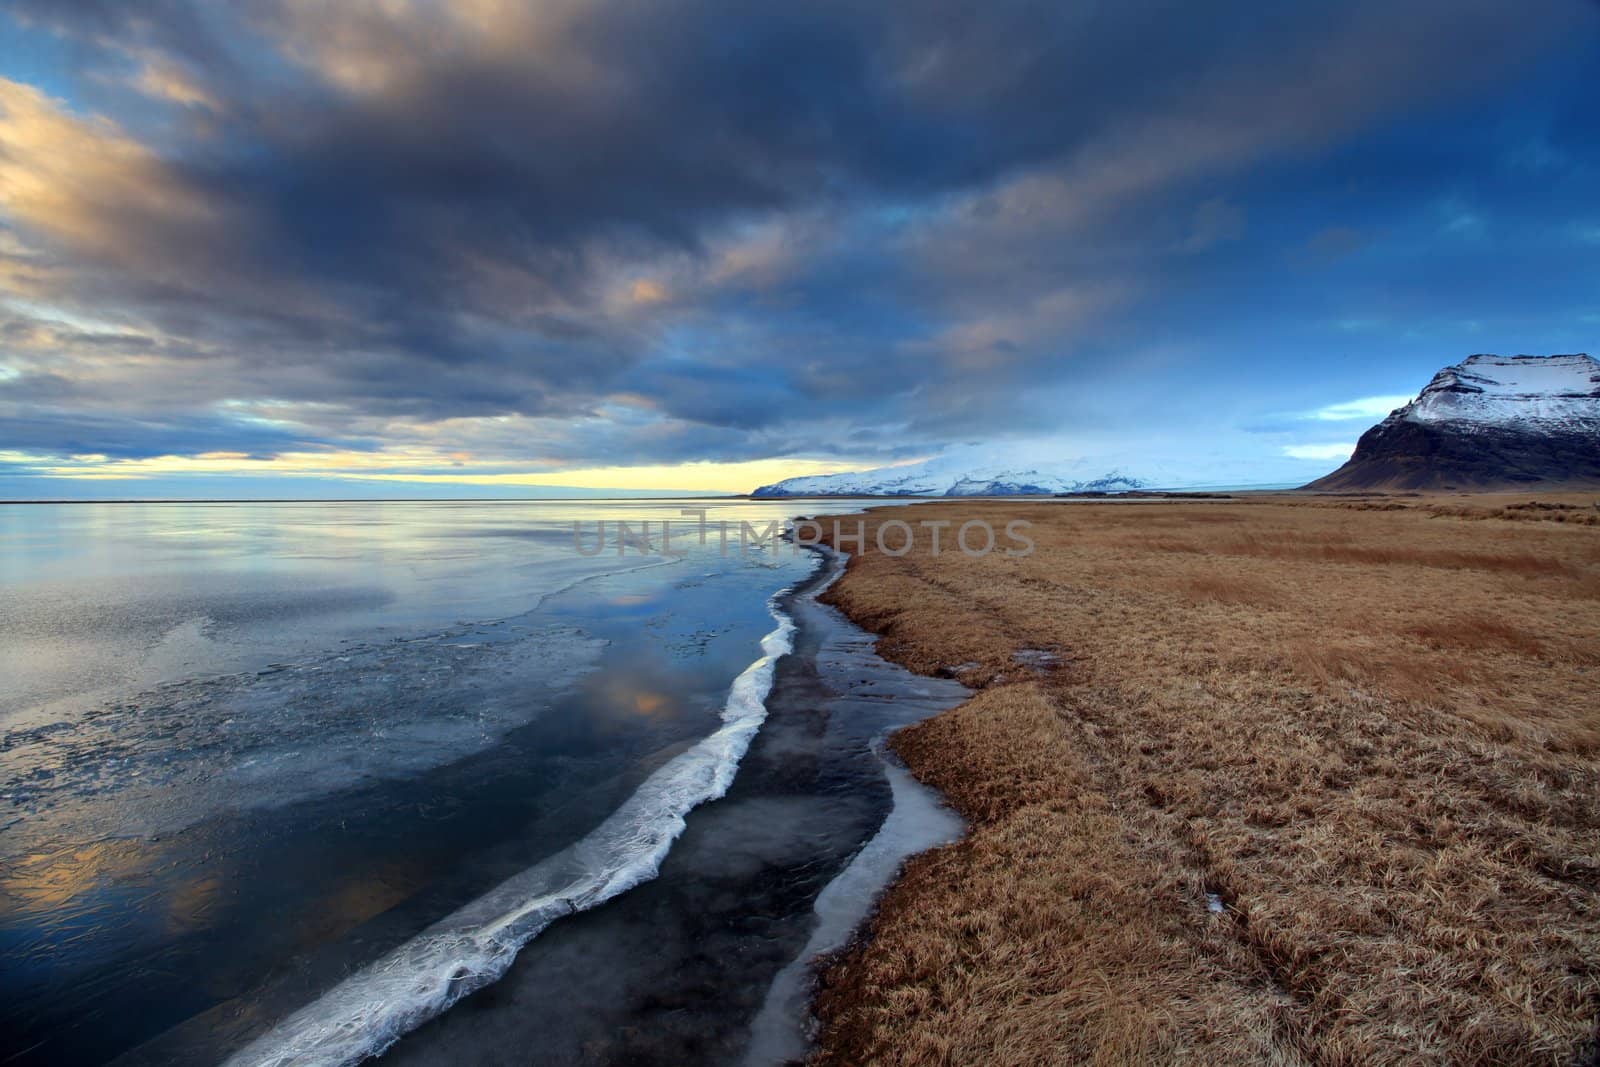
point(353, 901)
point(646, 703)
point(49, 900)
point(618, 698)
point(181, 753)
point(47, 881)
point(192, 903)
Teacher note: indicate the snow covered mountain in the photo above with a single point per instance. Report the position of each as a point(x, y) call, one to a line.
point(939, 477)
point(1552, 393)
point(1488, 422)
point(976, 470)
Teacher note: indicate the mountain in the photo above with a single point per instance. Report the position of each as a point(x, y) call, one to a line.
point(943, 477)
point(1489, 422)
point(996, 470)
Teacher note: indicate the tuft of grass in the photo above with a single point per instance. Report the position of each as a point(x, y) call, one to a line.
point(1479, 633)
point(1231, 589)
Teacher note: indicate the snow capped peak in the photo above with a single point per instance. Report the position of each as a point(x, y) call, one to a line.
point(965, 471)
point(1556, 391)
point(1017, 469)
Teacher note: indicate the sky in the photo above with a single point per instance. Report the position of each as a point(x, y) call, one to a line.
point(398, 248)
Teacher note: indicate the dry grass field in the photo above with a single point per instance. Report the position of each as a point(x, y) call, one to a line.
point(1256, 781)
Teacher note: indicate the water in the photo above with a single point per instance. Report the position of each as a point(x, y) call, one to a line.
point(284, 781)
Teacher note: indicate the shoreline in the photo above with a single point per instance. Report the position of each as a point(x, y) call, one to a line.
point(736, 899)
point(473, 947)
point(919, 818)
point(1192, 822)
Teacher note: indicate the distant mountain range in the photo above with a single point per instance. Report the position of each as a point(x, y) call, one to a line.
point(1489, 422)
point(983, 470)
point(960, 474)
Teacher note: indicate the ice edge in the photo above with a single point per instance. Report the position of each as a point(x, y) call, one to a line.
point(473, 947)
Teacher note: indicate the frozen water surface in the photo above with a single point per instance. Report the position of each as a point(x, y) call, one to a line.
point(282, 782)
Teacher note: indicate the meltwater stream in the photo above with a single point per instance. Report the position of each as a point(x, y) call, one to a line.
point(319, 775)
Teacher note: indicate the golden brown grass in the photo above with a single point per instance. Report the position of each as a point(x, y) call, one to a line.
point(1372, 734)
point(1579, 509)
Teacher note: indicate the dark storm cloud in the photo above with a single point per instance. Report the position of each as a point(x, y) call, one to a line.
point(427, 212)
point(121, 437)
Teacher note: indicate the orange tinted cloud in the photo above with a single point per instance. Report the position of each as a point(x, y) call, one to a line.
point(82, 180)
